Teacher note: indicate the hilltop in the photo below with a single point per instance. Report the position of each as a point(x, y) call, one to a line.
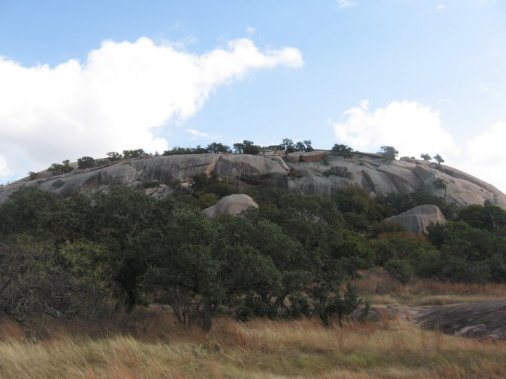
point(320, 172)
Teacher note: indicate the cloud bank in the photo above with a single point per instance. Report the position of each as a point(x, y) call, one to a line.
point(486, 156)
point(415, 129)
point(119, 98)
point(409, 126)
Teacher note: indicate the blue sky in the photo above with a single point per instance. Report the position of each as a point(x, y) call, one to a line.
point(85, 78)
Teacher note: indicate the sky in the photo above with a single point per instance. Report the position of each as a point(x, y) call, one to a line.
point(91, 77)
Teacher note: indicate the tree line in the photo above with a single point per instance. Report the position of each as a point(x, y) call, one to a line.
point(292, 257)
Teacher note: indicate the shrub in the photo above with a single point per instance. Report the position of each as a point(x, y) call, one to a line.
point(114, 156)
point(389, 153)
point(246, 147)
point(86, 162)
point(399, 269)
point(342, 150)
point(58, 169)
point(340, 171)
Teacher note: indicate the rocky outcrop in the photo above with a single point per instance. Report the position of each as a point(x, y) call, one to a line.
point(479, 320)
point(306, 173)
point(230, 205)
point(418, 219)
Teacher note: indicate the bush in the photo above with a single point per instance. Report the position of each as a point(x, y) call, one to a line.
point(246, 147)
point(389, 153)
point(342, 150)
point(340, 171)
point(132, 154)
point(86, 162)
point(114, 156)
point(399, 269)
point(58, 169)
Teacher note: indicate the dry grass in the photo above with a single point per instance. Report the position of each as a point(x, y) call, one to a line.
point(152, 345)
point(258, 349)
point(380, 288)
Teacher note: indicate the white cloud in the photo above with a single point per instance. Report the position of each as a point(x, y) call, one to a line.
point(345, 3)
point(3, 166)
point(250, 30)
point(409, 126)
point(197, 133)
point(486, 156)
point(414, 129)
point(440, 7)
point(119, 98)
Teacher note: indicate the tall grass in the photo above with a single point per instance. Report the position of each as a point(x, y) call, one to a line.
point(258, 349)
point(381, 288)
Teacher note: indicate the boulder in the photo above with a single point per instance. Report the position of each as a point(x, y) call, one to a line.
point(240, 165)
point(313, 156)
point(230, 205)
point(417, 220)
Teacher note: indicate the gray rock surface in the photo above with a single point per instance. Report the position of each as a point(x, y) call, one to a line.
point(418, 219)
point(478, 320)
point(299, 172)
point(230, 205)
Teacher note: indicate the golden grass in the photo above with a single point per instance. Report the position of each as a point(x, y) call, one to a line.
point(381, 289)
point(259, 349)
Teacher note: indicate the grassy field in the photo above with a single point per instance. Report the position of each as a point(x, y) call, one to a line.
point(259, 349)
point(380, 289)
point(152, 345)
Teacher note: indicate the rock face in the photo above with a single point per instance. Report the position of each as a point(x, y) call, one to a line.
point(300, 172)
point(230, 205)
point(417, 220)
point(480, 320)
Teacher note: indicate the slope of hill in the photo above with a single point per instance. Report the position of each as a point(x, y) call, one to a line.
point(317, 172)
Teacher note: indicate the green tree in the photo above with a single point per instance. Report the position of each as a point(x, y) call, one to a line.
point(246, 147)
point(399, 269)
point(58, 169)
point(86, 162)
point(425, 157)
point(389, 153)
point(217, 148)
point(490, 217)
point(132, 154)
point(342, 150)
point(438, 159)
point(114, 156)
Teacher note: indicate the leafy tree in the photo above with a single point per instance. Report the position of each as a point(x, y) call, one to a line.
point(58, 169)
point(389, 153)
point(342, 150)
point(400, 269)
point(288, 146)
point(246, 147)
point(33, 175)
point(490, 217)
point(30, 210)
point(34, 282)
point(217, 148)
point(114, 156)
point(425, 157)
point(132, 154)
point(86, 162)
point(438, 159)
point(187, 279)
point(469, 254)
point(186, 150)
